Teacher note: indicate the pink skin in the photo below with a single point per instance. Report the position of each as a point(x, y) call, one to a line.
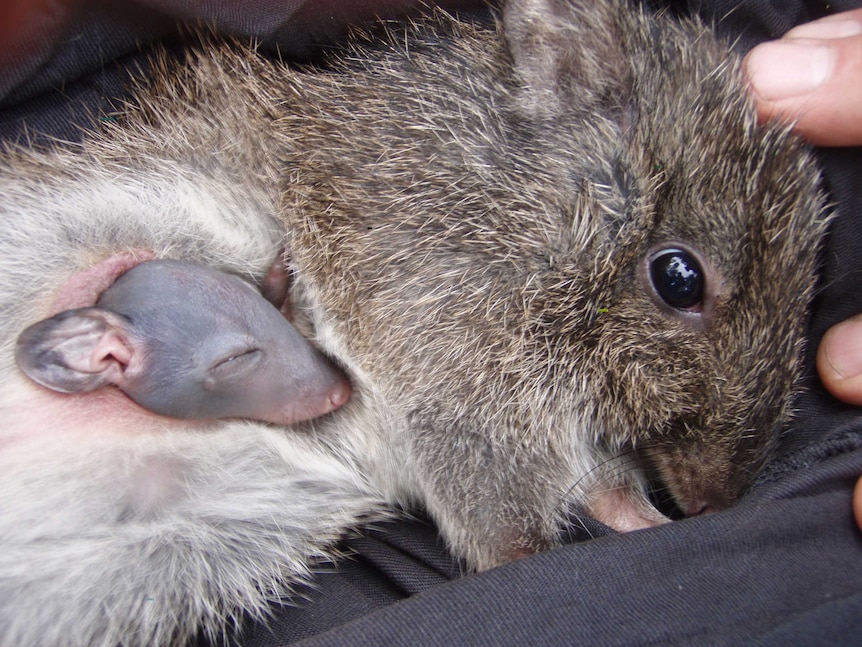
point(618, 510)
point(183, 341)
point(84, 288)
point(274, 288)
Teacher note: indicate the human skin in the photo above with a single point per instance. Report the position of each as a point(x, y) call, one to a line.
point(811, 78)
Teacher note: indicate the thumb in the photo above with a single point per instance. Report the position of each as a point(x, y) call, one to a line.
point(812, 78)
point(839, 360)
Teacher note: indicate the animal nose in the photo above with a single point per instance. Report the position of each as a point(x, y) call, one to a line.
point(699, 507)
point(713, 500)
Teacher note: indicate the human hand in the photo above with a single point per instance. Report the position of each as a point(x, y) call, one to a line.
point(812, 78)
point(839, 363)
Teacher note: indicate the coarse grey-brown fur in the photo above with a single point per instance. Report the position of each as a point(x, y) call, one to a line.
point(469, 214)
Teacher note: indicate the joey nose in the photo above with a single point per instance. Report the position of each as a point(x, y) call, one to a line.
point(320, 400)
point(339, 394)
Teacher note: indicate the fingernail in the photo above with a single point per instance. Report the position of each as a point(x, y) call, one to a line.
point(826, 30)
point(843, 348)
point(781, 70)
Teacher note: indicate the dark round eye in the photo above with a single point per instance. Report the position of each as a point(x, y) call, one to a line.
point(677, 278)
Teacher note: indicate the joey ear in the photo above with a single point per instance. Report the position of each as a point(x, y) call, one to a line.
point(77, 350)
point(564, 49)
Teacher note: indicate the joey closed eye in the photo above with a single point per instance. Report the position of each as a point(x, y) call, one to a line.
point(234, 366)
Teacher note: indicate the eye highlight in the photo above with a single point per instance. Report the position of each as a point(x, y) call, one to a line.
point(677, 278)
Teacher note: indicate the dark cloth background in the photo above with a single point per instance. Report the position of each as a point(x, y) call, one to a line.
point(784, 567)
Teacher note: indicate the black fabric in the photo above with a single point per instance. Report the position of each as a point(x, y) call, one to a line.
point(64, 67)
point(784, 567)
point(380, 567)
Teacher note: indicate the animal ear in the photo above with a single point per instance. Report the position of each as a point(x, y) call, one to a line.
point(565, 49)
point(76, 351)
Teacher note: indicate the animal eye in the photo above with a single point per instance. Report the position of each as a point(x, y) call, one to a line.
point(234, 366)
point(678, 278)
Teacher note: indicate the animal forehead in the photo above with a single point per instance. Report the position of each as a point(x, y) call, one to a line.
point(180, 283)
point(742, 181)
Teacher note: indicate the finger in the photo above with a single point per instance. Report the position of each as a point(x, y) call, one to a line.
point(812, 78)
point(839, 360)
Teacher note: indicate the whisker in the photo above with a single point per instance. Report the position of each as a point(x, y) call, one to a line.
point(601, 465)
point(623, 467)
